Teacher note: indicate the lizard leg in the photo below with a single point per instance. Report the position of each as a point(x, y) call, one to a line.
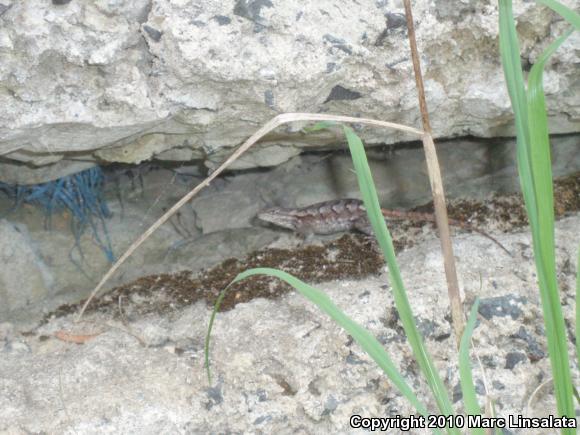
point(364, 226)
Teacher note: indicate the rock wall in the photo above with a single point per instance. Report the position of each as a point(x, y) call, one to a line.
point(126, 81)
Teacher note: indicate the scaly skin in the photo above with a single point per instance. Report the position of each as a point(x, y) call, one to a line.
point(338, 215)
point(327, 217)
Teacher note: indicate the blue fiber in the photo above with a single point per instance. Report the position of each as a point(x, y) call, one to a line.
point(81, 194)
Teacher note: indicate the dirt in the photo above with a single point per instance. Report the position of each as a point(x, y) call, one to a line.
point(508, 211)
point(352, 255)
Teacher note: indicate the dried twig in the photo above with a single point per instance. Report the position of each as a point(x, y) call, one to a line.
point(271, 125)
point(535, 393)
point(62, 402)
point(75, 338)
point(436, 187)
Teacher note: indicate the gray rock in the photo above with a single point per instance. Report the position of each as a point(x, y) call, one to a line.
point(16, 348)
point(498, 385)
point(215, 396)
point(126, 81)
point(501, 306)
point(4, 7)
point(458, 393)
point(339, 93)
point(154, 34)
point(24, 277)
point(279, 366)
point(225, 211)
point(513, 358)
point(534, 350)
point(251, 9)
point(330, 405)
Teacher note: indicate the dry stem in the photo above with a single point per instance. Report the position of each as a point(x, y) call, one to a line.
point(436, 187)
point(271, 125)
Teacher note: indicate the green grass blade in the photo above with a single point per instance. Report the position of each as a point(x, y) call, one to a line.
point(466, 378)
point(536, 180)
point(576, 395)
point(369, 194)
point(514, 77)
point(320, 125)
point(216, 307)
point(361, 335)
point(494, 414)
point(540, 158)
point(510, 56)
point(564, 11)
point(543, 233)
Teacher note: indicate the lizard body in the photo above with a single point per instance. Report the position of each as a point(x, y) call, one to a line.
point(327, 217)
point(334, 216)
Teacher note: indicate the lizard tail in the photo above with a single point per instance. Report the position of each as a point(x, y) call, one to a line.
point(425, 217)
point(493, 239)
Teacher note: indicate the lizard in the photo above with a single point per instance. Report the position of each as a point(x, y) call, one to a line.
point(348, 214)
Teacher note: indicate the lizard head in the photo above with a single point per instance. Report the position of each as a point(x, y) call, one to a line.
point(279, 217)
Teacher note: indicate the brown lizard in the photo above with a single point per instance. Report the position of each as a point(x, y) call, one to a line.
point(345, 215)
